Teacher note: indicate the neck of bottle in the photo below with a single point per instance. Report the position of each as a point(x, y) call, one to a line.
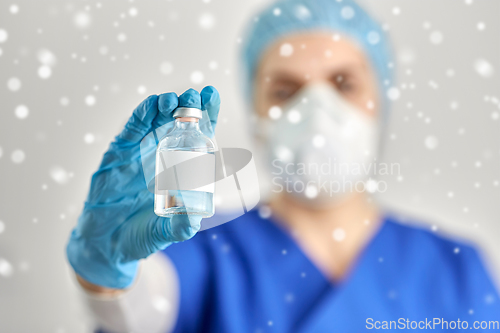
point(187, 123)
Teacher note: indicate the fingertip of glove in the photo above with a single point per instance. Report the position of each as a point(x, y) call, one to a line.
point(167, 102)
point(149, 101)
point(190, 98)
point(185, 226)
point(210, 97)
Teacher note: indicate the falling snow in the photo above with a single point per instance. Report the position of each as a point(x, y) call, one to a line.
point(286, 50)
point(275, 112)
point(302, 12)
point(64, 101)
point(311, 191)
point(161, 304)
point(197, 77)
point(484, 68)
point(294, 116)
point(206, 21)
point(14, 84)
point(82, 20)
point(265, 212)
point(284, 154)
point(89, 138)
point(339, 234)
point(166, 68)
point(59, 175)
point(373, 37)
point(393, 93)
point(347, 12)
point(18, 156)
point(431, 142)
point(14, 9)
point(371, 186)
point(433, 85)
point(90, 100)
point(103, 50)
point(3, 36)
point(132, 12)
point(319, 141)
point(22, 111)
point(6, 268)
point(213, 65)
point(436, 37)
point(46, 57)
point(44, 72)
point(121, 37)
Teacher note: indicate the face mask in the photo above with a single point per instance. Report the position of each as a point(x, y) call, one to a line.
point(319, 147)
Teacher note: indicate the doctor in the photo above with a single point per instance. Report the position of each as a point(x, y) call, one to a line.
point(320, 256)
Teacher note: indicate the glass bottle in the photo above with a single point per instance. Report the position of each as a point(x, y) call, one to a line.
point(185, 168)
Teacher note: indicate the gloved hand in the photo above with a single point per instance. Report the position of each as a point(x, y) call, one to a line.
point(118, 225)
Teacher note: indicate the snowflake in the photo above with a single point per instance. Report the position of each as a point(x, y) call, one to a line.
point(166, 68)
point(197, 77)
point(14, 84)
point(431, 142)
point(82, 20)
point(3, 36)
point(339, 234)
point(286, 50)
point(483, 68)
point(14, 9)
point(436, 37)
point(22, 111)
point(59, 175)
point(347, 12)
point(90, 100)
point(206, 21)
point(18, 156)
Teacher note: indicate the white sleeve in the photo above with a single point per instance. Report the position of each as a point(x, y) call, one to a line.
point(150, 305)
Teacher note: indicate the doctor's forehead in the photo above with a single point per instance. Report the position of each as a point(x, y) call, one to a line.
point(312, 54)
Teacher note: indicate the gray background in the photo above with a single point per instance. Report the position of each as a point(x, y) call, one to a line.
point(443, 130)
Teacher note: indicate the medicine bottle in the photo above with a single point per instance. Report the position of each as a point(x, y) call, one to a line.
point(185, 168)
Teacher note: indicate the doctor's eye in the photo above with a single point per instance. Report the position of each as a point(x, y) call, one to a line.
point(281, 94)
point(345, 84)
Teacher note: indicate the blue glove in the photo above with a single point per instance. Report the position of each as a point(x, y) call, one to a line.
point(118, 225)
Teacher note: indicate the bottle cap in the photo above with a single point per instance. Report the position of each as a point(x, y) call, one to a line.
point(187, 112)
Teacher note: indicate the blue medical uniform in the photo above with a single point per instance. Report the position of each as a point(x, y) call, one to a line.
point(249, 275)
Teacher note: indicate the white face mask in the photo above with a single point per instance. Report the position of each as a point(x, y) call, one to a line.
point(320, 148)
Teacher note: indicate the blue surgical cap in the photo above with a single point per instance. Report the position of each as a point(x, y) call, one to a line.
point(346, 17)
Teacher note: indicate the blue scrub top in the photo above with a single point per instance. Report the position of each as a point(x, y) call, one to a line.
point(249, 275)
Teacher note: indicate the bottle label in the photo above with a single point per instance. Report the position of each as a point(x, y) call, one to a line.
point(185, 171)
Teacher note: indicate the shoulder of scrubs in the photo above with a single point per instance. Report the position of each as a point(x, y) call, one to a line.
point(444, 272)
point(149, 306)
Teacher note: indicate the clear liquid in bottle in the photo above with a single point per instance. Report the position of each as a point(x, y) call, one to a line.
point(185, 169)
